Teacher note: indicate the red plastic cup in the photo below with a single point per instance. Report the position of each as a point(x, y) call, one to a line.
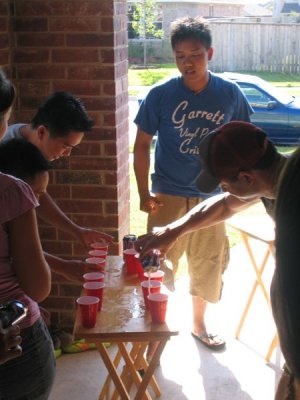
point(95, 289)
point(149, 287)
point(100, 246)
point(130, 260)
point(93, 277)
point(98, 254)
point(139, 268)
point(158, 307)
point(99, 262)
point(155, 276)
point(88, 306)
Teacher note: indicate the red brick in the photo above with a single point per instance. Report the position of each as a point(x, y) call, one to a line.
point(61, 303)
point(110, 149)
point(31, 56)
point(107, 24)
point(90, 7)
point(75, 56)
point(102, 134)
point(42, 40)
point(30, 103)
point(109, 119)
point(80, 206)
point(41, 72)
point(59, 191)
point(71, 290)
point(56, 247)
point(73, 177)
point(100, 103)
point(87, 148)
point(66, 320)
point(4, 57)
point(110, 178)
point(30, 24)
point(39, 8)
point(111, 207)
point(47, 232)
point(79, 88)
point(91, 73)
point(3, 24)
point(71, 24)
point(34, 88)
point(4, 40)
point(4, 8)
point(89, 40)
point(61, 163)
point(109, 88)
point(96, 221)
point(92, 192)
point(92, 163)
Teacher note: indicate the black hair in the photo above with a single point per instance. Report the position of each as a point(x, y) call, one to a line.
point(62, 113)
point(195, 28)
point(287, 306)
point(7, 93)
point(22, 159)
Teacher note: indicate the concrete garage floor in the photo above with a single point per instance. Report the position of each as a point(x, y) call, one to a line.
point(188, 370)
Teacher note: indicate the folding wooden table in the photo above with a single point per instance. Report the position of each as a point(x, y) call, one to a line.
point(124, 321)
point(260, 228)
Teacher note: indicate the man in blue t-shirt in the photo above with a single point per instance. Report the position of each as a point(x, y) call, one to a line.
point(181, 112)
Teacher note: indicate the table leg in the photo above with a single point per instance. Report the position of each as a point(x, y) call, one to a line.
point(105, 389)
point(150, 370)
point(258, 281)
point(113, 372)
point(274, 344)
point(256, 269)
point(133, 372)
point(125, 375)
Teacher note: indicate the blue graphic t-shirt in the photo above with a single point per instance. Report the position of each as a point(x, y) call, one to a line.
point(181, 118)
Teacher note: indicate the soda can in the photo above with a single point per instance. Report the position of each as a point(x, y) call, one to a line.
point(128, 241)
point(152, 261)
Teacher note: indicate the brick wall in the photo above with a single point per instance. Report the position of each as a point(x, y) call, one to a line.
point(79, 46)
point(4, 36)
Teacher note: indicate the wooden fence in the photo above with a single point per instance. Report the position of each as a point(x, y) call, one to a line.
point(242, 46)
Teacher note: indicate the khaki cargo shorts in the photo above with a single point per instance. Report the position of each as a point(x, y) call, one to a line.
point(206, 250)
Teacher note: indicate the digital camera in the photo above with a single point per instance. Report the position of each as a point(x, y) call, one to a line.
point(12, 312)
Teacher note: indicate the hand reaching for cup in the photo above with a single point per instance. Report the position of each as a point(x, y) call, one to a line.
point(161, 238)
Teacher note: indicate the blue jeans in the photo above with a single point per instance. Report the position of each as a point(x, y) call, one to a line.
point(30, 376)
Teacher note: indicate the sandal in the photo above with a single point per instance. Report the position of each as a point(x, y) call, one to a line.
point(213, 342)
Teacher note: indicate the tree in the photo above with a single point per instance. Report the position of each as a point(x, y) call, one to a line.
point(144, 19)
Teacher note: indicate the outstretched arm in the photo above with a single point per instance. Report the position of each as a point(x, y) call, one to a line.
point(72, 270)
point(51, 213)
point(208, 213)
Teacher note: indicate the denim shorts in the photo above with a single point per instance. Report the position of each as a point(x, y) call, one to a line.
point(30, 376)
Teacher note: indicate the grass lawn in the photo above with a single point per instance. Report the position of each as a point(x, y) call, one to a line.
point(147, 77)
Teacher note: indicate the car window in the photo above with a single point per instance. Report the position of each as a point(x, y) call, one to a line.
point(254, 95)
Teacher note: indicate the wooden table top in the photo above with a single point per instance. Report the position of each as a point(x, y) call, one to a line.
point(123, 316)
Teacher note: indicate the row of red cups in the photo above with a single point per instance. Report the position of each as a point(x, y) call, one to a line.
point(91, 302)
